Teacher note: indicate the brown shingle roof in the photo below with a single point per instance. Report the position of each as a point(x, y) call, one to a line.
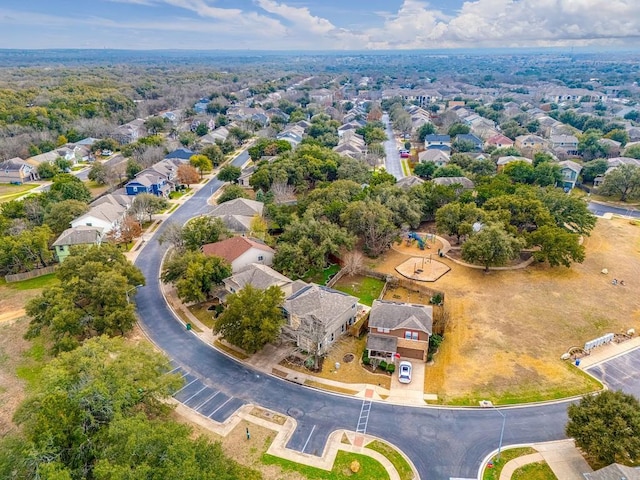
point(232, 248)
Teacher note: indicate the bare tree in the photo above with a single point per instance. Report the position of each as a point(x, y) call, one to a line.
point(283, 192)
point(353, 263)
point(173, 235)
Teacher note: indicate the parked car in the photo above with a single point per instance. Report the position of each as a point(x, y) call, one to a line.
point(404, 372)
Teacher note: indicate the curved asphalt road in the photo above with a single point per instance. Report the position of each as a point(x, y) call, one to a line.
point(441, 442)
point(600, 209)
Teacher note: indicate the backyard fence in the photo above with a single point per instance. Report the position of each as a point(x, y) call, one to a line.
point(414, 287)
point(38, 272)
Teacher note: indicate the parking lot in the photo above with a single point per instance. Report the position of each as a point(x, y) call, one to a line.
point(620, 373)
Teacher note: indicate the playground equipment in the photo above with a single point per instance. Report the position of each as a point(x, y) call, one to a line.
point(422, 242)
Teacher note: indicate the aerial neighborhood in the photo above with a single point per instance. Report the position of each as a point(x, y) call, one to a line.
point(328, 247)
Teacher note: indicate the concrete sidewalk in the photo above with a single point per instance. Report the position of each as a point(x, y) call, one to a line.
point(564, 459)
point(608, 351)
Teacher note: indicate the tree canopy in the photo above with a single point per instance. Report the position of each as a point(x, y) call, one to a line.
point(492, 246)
point(252, 318)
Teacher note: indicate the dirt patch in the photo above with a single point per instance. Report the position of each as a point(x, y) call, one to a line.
point(507, 329)
point(349, 357)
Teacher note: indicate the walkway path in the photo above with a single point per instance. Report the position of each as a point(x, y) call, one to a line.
point(564, 459)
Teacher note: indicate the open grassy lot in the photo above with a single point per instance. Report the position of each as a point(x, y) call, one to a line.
point(508, 329)
point(367, 289)
point(534, 471)
point(10, 192)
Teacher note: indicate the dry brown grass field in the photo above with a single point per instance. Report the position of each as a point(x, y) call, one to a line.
point(508, 329)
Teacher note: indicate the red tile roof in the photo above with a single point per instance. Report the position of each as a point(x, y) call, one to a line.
point(232, 248)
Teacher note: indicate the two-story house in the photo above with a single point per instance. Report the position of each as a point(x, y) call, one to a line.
point(258, 276)
point(469, 138)
point(149, 181)
point(530, 142)
point(80, 235)
point(16, 171)
point(238, 214)
point(397, 328)
point(240, 252)
point(498, 141)
point(564, 144)
point(317, 316)
point(570, 171)
point(440, 142)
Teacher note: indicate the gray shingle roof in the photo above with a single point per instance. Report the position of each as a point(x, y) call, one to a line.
point(382, 343)
point(258, 276)
point(81, 235)
point(238, 206)
point(464, 181)
point(615, 471)
point(394, 315)
point(323, 303)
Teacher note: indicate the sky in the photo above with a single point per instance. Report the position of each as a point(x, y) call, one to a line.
point(318, 24)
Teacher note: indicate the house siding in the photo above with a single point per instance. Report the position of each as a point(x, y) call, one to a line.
point(252, 256)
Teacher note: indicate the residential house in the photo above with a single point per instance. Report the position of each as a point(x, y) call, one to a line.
point(292, 134)
point(201, 105)
point(409, 182)
point(498, 141)
point(106, 214)
point(240, 252)
point(570, 171)
point(317, 316)
point(420, 97)
point(613, 164)
point(561, 95)
point(238, 214)
point(276, 112)
point(533, 143)
point(613, 147)
point(564, 144)
point(258, 276)
point(219, 134)
point(245, 114)
point(80, 235)
point(399, 329)
point(437, 141)
point(502, 161)
point(462, 181)
point(183, 154)
point(129, 132)
point(245, 176)
point(439, 157)
point(17, 171)
point(150, 181)
point(615, 471)
point(351, 145)
point(471, 139)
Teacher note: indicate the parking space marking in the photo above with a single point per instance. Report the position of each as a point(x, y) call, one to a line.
point(308, 438)
point(212, 413)
point(199, 391)
point(207, 400)
point(192, 381)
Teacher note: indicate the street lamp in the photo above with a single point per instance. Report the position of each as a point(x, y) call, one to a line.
point(131, 289)
point(486, 403)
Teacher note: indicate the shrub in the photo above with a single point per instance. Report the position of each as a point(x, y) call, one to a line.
point(391, 368)
point(383, 365)
point(365, 358)
point(436, 299)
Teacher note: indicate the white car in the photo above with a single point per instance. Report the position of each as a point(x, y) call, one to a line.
point(404, 372)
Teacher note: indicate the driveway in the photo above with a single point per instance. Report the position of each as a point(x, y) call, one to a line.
point(409, 393)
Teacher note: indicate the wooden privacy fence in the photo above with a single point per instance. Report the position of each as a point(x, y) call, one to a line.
point(38, 272)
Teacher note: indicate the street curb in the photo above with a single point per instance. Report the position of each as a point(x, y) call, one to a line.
point(492, 454)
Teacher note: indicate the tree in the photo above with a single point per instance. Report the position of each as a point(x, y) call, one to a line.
point(372, 221)
point(424, 130)
point(26, 250)
point(172, 234)
point(457, 129)
point(47, 170)
point(589, 145)
point(79, 395)
point(147, 204)
point(102, 174)
point(213, 153)
point(492, 246)
point(252, 318)
point(425, 169)
point(202, 163)
point(155, 125)
point(108, 144)
point(229, 173)
point(457, 219)
point(448, 171)
point(91, 300)
point(187, 175)
point(623, 180)
point(593, 169)
point(557, 246)
point(607, 427)
point(60, 214)
point(568, 212)
point(520, 172)
point(231, 192)
point(127, 231)
point(132, 169)
point(633, 151)
point(546, 174)
point(202, 129)
point(619, 135)
point(541, 157)
point(202, 230)
point(201, 273)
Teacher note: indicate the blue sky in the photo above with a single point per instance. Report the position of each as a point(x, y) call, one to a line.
point(317, 24)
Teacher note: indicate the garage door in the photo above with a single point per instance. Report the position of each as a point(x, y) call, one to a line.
point(411, 353)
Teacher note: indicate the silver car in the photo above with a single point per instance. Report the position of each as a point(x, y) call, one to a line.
point(404, 372)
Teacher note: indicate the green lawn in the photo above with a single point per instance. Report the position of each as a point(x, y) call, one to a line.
point(367, 289)
point(10, 192)
point(505, 456)
point(534, 471)
point(202, 314)
point(34, 361)
point(321, 277)
point(398, 461)
point(38, 282)
point(370, 469)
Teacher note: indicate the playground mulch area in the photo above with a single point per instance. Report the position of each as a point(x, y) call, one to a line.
point(507, 329)
point(422, 269)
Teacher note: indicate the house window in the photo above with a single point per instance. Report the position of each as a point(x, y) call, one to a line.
point(409, 335)
point(385, 330)
point(260, 258)
point(380, 330)
point(414, 335)
point(342, 328)
point(333, 336)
